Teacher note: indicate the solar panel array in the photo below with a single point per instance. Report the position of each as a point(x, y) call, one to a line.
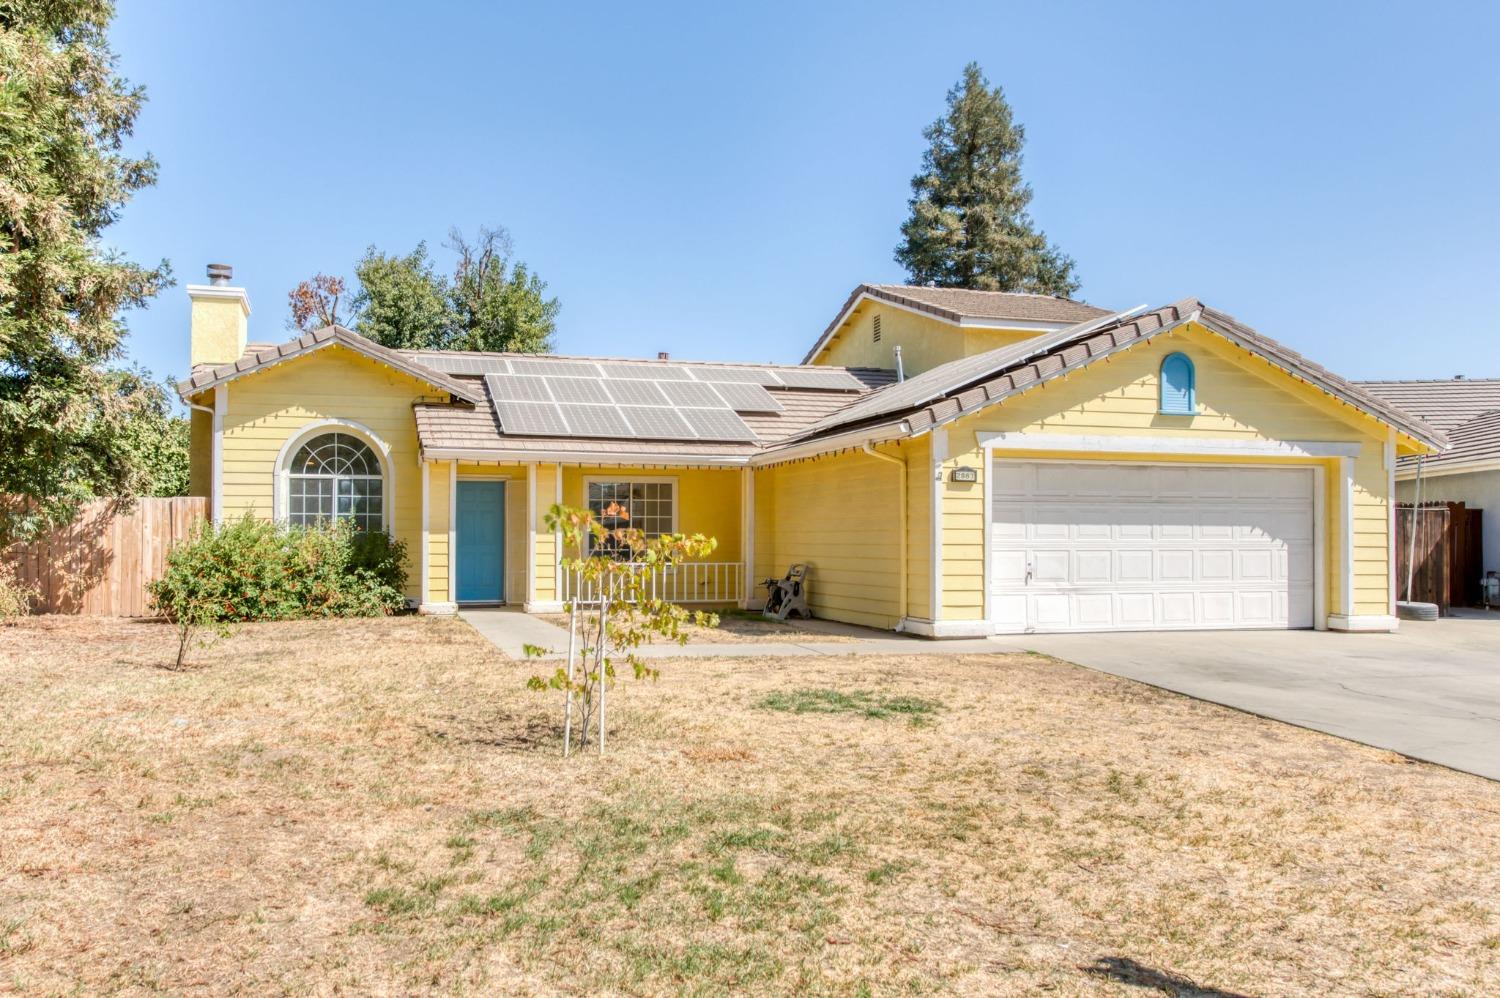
point(568, 406)
point(474, 365)
point(556, 396)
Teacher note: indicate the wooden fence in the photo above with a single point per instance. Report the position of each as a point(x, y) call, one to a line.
point(1449, 553)
point(101, 563)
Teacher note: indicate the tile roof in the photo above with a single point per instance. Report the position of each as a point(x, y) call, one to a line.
point(963, 303)
point(971, 383)
point(206, 376)
point(1445, 403)
point(1474, 442)
point(958, 304)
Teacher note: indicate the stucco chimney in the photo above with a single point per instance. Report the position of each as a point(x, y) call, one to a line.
point(220, 318)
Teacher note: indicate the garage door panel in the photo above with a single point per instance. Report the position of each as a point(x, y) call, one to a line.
point(1135, 610)
point(1093, 568)
point(1174, 565)
point(1096, 547)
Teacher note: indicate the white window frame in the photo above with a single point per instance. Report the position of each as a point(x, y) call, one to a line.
point(282, 482)
point(632, 480)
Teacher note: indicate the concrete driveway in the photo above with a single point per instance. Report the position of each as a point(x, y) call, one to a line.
point(1431, 691)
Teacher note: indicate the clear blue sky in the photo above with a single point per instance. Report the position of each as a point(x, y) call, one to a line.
point(713, 182)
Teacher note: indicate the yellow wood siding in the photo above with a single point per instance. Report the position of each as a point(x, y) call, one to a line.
point(839, 514)
point(439, 523)
point(267, 408)
point(200, 451)
point(1239, 396)
point(918, 455)
point(925, 341)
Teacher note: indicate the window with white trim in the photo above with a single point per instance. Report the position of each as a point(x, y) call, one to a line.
point(336, 476)
point(650, 507)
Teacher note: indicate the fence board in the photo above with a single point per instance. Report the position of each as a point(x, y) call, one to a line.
point(1448, 550)
point(100, 564)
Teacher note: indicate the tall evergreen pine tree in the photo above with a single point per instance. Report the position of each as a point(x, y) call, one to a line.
point(969, 227)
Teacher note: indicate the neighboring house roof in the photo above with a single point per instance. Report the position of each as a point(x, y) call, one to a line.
point(961, 305)
point(971, 383)
point(1445, 403)
point(1468, 409)
point(1473, 446)
point(260, 357)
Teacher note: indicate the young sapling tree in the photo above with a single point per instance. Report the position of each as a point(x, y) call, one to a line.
point(614, 609)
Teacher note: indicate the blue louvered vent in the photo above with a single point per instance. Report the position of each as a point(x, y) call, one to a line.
point(1178, 387)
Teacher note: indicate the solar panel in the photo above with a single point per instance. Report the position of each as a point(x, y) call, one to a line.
point(534, 418)
point(635, 393)
point(692, 393)
point(556, 368)
point(646, 372)
point(716, 424)
point(656, 423)
point(595, 421)
point(578, 390)
point(749, 375)
point(513, 388)
point(450, 364)
point(838, 381)
point(748, 398)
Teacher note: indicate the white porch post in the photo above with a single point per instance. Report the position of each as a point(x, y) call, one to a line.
point(453, 532)
point(530, 534)
point(939, 455)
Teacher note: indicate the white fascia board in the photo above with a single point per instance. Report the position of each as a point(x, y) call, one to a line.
point(1197, 446)
point(1020, 325)
point(825, 445)
point(1439, 470)
point(592, 460)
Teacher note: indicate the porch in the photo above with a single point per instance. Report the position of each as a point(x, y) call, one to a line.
point(485, 540)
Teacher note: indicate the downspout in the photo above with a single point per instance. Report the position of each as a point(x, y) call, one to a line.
point(901, 555)
point(1411, 547)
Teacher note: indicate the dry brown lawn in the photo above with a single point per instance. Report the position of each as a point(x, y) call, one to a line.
point(380, 807)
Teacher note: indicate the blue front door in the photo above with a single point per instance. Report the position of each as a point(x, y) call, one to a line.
point(481, 542)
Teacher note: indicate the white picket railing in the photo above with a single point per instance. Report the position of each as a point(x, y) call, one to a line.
point(690, 582)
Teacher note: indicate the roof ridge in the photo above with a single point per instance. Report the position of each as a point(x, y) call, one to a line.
point(980, 291)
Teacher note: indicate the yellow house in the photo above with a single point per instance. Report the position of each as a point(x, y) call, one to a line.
point(947, 462)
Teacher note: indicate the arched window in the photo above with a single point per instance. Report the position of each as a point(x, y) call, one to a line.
point(336, 476)
point(1178, 386)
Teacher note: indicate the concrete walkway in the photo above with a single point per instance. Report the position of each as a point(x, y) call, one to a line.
point(509, 629)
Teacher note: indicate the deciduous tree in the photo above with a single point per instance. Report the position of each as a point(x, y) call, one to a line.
point(64, 117)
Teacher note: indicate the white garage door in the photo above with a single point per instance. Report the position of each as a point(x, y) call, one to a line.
point(1094, 547)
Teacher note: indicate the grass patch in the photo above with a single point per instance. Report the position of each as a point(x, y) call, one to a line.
point(862, 702)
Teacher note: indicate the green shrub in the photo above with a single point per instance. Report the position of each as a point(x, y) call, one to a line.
point(15, 598)
point(251, 569)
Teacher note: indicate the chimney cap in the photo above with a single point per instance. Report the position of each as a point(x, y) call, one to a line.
point(663, 355)
point(220, 274)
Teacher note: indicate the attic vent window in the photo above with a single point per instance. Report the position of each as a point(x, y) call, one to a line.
point(1179, 387)
point(875, 327)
